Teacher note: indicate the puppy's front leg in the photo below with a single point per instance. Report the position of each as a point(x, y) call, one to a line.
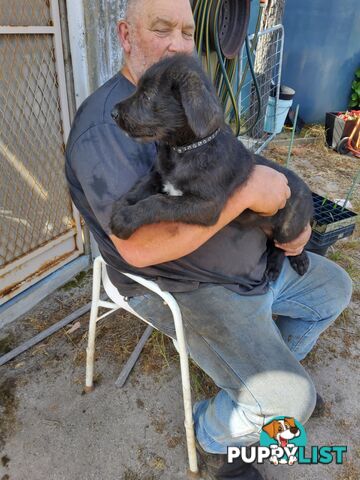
point(148, 185)
point(158, 208)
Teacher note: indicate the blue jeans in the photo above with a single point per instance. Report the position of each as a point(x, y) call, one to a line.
point(252, 358)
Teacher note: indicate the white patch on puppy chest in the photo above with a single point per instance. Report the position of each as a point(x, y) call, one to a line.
point(171, 190)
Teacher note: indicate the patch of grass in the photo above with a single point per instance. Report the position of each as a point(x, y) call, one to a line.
point(131, 475)
point(78, 281)
point(202, 385)
point(8, 407)
point(158, 354)
point(7, 343)
point(5, 460)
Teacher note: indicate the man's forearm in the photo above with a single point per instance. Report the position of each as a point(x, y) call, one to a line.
point(166, 241)
point(265, 192)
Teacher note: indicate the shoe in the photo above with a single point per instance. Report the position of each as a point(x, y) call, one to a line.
point(216, 467)
point(320, 407)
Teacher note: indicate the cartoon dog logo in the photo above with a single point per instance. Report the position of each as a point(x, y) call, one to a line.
point(282, 431)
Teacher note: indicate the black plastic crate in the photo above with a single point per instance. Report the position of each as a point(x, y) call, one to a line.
point(330, 217)
point(327, 239)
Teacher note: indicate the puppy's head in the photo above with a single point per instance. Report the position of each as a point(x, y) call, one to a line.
point(174, 102)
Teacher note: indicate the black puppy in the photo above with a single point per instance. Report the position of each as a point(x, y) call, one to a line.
point(200, 162)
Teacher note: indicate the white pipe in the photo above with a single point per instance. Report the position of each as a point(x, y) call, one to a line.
point(78, 48)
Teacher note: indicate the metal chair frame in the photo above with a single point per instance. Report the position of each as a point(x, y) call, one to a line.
point(118, 301)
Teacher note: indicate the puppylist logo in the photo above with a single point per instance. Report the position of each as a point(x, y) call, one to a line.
point(283, 441)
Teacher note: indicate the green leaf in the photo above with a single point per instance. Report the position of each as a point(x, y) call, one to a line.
point(357, 90)
point(354, 97)
point(357, 73)
point(353, 103)
point(355, 84)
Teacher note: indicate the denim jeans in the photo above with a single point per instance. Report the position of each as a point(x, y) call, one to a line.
point(252, 358)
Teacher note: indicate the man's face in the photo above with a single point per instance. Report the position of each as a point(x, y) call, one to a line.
point(157, 29)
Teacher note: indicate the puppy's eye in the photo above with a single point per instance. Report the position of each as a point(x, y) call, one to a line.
point(280, 428)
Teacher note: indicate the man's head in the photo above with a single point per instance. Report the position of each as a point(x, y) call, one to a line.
point(153, 30)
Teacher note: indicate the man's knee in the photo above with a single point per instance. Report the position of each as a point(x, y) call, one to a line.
point(336, 282)
point(341, 286)
point(297, 399)
point(346, 287)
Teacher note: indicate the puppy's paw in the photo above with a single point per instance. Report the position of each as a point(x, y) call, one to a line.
point(273, 272)
point(292, 460)
point(122, 224)
point(300, 263)
point(275, 262)
point(274, 460)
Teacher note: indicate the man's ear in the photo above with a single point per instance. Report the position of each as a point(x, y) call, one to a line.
point(122, 29)
point(201, 106)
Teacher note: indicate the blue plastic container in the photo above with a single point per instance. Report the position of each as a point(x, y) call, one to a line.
point(275, 118)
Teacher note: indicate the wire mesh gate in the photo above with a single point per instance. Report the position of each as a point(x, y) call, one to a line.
point(40, 229)
point(268, 48)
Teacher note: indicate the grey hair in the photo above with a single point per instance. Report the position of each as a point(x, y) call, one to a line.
point(128, 7)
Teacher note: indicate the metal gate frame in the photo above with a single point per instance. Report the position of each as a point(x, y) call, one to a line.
point(29, 269)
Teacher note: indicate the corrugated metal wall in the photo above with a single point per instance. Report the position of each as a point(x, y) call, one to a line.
point(104, 52)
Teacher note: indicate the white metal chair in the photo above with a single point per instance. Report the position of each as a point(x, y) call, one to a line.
point(118, 301)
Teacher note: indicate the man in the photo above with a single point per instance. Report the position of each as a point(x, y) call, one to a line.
point(217, 273)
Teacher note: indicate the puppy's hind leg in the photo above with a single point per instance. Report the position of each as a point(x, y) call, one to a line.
point(300, 263)
point(275, 260)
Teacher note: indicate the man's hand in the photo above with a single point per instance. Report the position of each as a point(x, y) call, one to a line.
point(295, 247)
point(268, 190)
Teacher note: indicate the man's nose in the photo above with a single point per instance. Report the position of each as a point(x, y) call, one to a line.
point(179, 44)
point(115, 113)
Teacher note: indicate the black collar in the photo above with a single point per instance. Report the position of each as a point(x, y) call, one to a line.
point(201, 142)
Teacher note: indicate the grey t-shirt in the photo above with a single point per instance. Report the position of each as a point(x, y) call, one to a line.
point(102, 164)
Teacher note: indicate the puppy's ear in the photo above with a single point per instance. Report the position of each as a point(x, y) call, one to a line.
point(270, 428)
point(201, 105)
point(290, 421)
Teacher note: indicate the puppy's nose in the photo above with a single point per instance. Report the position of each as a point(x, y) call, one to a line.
point(115, 113)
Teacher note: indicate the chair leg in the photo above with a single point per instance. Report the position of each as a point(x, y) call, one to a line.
point(90, 351)
point(193, 471)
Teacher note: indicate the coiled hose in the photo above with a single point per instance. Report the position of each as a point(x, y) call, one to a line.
point(224, 72)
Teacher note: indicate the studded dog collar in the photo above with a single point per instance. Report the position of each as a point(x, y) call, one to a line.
point(204, 141)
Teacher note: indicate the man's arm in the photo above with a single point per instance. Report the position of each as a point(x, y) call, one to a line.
point(265, 192)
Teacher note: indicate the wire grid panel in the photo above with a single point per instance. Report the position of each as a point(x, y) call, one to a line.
point(34, 202)
point(268, 50)
point(25, 12)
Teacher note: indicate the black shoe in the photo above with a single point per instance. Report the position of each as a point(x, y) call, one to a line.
point(216, 467)
point(320, 407)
